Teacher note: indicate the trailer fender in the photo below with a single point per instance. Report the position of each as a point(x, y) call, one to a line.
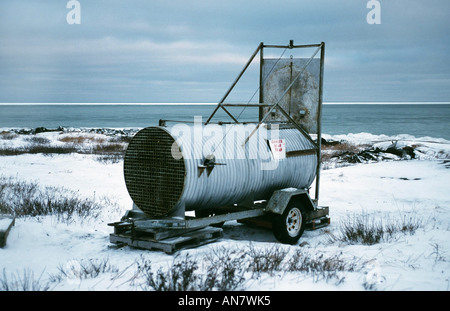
point(281, 198)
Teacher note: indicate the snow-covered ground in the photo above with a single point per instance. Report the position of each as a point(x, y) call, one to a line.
point(385, 190)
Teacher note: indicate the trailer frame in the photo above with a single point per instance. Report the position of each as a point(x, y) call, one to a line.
point(173, 234)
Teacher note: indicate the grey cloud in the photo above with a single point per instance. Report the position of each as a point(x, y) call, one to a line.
point(191, 51)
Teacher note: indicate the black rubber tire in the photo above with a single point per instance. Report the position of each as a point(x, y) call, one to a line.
point(289, 227)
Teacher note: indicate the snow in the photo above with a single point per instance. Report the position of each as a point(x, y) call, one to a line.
point(5, 222)
point(394, 189)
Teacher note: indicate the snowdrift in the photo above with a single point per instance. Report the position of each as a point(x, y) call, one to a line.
point(387, 181)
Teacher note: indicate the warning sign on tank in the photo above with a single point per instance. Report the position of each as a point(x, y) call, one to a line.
point(278, 148)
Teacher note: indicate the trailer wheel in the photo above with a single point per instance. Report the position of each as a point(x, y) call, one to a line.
point(289, 226)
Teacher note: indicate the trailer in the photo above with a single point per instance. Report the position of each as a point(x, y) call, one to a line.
point(253, 172)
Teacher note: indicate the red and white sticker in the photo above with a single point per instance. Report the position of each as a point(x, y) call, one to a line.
point(278, 148)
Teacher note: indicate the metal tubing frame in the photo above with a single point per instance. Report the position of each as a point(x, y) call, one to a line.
point(262, 116)
point(319, 121)
point(219, 105)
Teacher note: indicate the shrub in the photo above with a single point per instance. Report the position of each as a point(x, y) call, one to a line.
point(368, 230)
point(37, 148)
point(81, 139)
point(109, 150)
point(22, 198)
point(222, 274)
point(8, 135)
point(77, 270)
point(340, 149)
point(226, 269)
point(38, 140)
point(179, 277)
point(319, 266)
point(266, 260)
point(25, 282)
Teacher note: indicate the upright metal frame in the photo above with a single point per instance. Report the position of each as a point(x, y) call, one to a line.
point(137, 230)
point(263, 116)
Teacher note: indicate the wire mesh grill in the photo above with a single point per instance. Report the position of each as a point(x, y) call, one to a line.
point(153, 177)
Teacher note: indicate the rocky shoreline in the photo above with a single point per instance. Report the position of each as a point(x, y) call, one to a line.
point(104, 131)
point(335, 153)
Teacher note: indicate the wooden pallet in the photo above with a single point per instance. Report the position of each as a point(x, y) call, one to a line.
point(178, 238)
point(6, 223)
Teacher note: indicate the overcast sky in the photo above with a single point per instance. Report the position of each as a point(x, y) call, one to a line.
point(151, 51)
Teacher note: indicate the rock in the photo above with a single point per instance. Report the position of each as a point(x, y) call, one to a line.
point(392, 152)
point(410, 151)
point(303, 244)
point(44, 130)
point(396, 151)
point(330, 142)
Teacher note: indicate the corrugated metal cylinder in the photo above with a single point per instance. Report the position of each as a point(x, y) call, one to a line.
point(166, 173)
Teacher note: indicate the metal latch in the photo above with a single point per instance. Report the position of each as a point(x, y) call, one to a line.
point(209, 162)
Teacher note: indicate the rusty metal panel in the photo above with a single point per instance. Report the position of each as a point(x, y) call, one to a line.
point(302, 100)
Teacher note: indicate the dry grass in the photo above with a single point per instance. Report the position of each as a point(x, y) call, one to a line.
point(8, 135)
point(81, 139)
point(109, 149)
point(37, 148)
point(23, 198)
point(226, 269)
point(368, 230)
point(339, 149)
point(344, 146)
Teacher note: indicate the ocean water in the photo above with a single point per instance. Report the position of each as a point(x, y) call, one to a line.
point(419, 120)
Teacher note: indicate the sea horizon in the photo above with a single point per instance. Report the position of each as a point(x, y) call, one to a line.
point(212, 104)
point(389, 118)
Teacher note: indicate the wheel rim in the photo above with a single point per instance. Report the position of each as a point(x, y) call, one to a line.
point(293, 222)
